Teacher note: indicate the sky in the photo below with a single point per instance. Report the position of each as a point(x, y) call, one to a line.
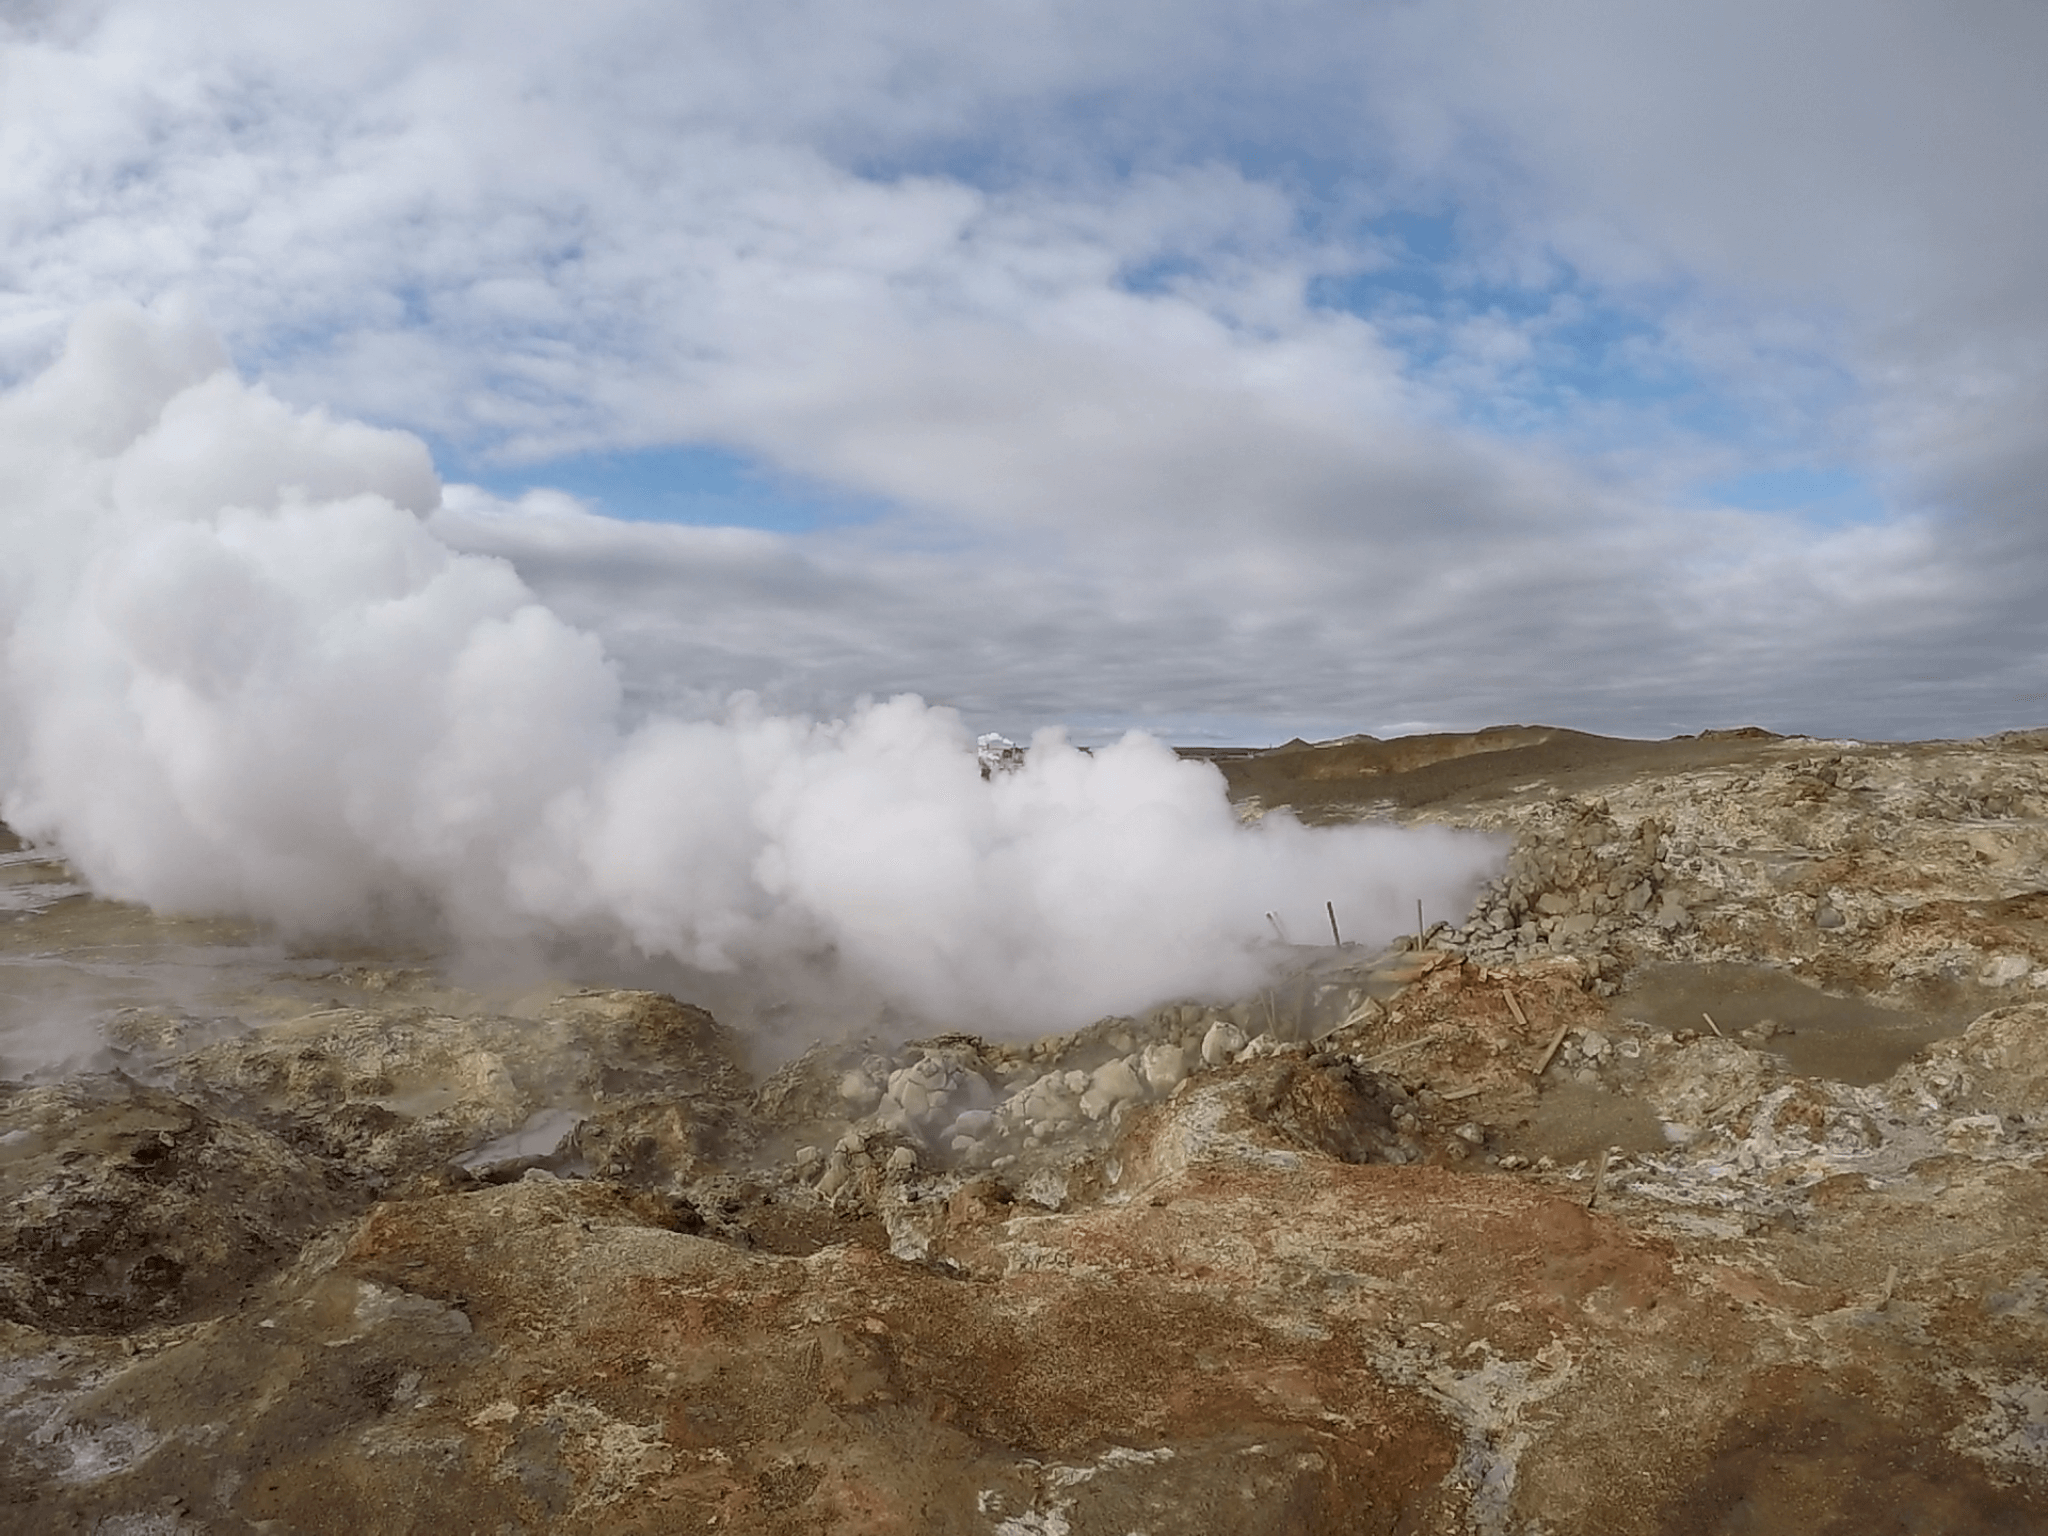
point(1234, 371)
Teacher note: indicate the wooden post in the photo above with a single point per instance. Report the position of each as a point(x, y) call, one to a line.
point(1555, 1041)
point(1599, 1178)
point(1420, 942)
point(1336, 938)
point(1712, 1025)
point(1516, 1009)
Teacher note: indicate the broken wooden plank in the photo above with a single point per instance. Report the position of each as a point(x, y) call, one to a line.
point(1555, 1041)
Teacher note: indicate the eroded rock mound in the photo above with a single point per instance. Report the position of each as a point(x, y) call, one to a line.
point(123, 1207)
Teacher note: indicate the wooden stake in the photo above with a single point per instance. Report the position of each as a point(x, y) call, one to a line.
point(1393, 1051)
point(1336, 938)
point(1712, 1025)
point(1599, 1178)
point(1421, 941)
point(1516, 1009)
point(1365, 1010)
point(1555, 1041)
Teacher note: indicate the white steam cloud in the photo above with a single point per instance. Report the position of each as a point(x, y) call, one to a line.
point(242, 677)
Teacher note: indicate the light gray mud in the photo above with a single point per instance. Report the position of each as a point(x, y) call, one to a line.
point(1815, 1033)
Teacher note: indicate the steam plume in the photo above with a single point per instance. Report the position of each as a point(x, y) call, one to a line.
point(242, 677)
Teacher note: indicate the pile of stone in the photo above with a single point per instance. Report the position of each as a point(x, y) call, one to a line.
point(1579, 882)
point(963, 1103)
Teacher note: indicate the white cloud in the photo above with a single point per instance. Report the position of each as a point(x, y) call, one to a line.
point(1037, 276)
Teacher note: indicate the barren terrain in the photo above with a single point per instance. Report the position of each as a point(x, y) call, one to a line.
point(1692, 1182)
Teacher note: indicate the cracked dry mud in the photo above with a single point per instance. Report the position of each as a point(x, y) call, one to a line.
point(306, 1244)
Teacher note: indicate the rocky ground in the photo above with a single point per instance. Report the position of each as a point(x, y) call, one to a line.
point(1694, 1182)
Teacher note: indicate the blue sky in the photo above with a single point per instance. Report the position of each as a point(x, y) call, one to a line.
point(1823, 496)
point(686, 483)
point(1227, 373)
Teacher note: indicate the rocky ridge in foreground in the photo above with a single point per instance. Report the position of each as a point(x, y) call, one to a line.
point(1693, 1182)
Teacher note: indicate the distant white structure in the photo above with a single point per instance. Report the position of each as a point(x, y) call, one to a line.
point(998, 754)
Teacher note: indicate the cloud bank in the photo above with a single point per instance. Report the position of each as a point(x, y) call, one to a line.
point(243, 676)
point(1313, 368)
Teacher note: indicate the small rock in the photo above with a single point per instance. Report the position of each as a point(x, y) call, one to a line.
point(911, 1095)
point(1163, 1066)
point(1975, 1132)
point(1222, 1043)
point(2004, 970)
point(1113, 1083)
point(1117, 1078)
point(974, 1123)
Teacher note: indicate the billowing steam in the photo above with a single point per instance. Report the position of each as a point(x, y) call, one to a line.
point(242, 677)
